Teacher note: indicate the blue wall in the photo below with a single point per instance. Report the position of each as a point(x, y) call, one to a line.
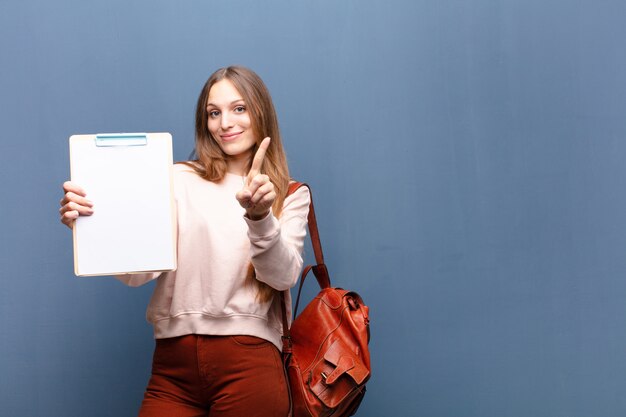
point(467, 159)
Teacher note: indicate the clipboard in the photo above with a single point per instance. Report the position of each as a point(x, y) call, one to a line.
point(129, 178)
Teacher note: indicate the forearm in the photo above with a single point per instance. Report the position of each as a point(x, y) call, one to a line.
point(276, 245)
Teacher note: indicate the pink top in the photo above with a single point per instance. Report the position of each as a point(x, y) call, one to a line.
point(208, 294)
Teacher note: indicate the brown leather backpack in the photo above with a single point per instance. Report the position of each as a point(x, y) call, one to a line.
point(326, 351)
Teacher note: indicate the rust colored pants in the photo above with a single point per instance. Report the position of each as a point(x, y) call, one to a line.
point(216, 376)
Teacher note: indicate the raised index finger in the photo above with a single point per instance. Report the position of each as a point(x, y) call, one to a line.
point(257, 162)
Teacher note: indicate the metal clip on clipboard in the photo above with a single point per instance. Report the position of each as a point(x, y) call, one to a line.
point(122, 139)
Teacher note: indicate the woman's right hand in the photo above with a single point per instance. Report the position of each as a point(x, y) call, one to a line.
point(74, 204)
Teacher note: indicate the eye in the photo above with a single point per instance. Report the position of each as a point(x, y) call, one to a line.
point(240, 109)
point(213, 113)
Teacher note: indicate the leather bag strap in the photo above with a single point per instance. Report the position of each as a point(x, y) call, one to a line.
point(313, 232)
point(319, 270)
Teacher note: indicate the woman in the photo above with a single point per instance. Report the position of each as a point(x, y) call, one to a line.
point(217, 319)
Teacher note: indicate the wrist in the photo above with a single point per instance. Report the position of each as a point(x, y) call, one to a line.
point(256, 216)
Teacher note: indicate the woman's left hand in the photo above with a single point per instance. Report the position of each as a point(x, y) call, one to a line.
point(257, 194)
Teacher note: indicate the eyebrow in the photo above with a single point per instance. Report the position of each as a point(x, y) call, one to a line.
point(231, 103)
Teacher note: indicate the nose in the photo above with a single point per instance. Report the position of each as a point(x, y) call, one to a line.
point(226, 122)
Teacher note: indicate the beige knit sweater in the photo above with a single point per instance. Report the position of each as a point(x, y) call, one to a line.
point(208, 294)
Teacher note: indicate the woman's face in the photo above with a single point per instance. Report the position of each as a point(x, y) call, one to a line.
point(229, 120)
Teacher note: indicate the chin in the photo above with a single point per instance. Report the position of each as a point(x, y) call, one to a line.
point(235, 152)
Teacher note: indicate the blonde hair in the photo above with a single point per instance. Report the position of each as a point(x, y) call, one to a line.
point(211, 162)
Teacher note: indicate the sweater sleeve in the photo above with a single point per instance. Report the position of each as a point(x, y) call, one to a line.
point(276, 244)
point(135, 280)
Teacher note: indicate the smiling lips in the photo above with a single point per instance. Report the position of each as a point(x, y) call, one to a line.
point(227, 137)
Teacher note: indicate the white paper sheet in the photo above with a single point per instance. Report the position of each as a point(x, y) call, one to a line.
point(133, 225)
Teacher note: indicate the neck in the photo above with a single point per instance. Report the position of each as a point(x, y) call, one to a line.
point(238, 164)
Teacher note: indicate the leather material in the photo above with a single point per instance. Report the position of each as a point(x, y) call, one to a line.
point(326, 349)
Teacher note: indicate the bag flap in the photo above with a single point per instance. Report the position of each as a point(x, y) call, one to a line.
point(345, 361)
